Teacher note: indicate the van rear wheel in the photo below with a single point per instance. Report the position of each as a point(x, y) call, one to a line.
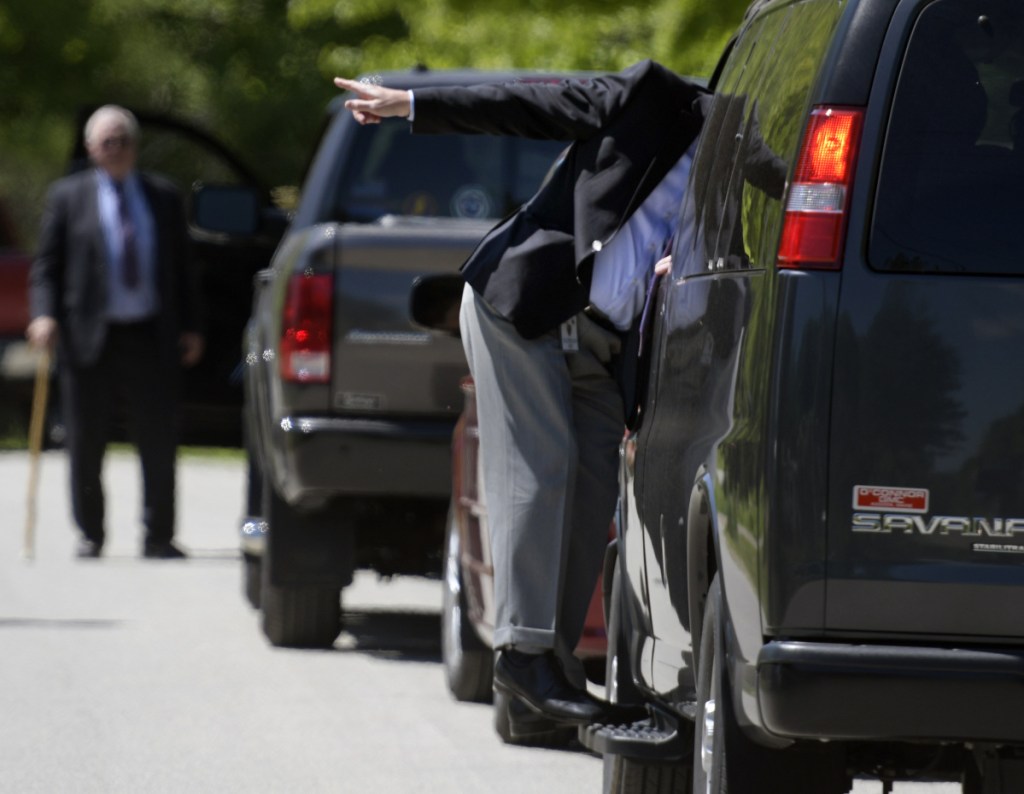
point(725, 760)
point(625, 775)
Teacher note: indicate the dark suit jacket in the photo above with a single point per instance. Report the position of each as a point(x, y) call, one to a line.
point(68, 278)
point(628, 130)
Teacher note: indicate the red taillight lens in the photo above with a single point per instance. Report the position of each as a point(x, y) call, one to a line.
point(815, 220)
point(305, 352)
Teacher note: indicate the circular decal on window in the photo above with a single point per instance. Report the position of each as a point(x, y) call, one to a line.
point(471, 201)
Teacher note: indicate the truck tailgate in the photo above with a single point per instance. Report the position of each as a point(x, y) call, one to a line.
point(383, 364)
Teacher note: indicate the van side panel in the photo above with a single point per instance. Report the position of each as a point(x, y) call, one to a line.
point(794, 548)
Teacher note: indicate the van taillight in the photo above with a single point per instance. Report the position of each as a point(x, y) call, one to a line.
point(816, 206)
point(305, 353)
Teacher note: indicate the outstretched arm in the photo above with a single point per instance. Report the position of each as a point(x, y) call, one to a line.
point(560, 109)
point(374, 102)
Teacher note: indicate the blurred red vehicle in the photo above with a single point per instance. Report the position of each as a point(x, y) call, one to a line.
point(467, 617)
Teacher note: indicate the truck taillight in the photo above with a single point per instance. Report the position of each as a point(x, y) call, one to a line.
point(816, 206)
point(305, 353)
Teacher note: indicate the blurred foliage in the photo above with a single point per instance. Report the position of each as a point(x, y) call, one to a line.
point(256, 73)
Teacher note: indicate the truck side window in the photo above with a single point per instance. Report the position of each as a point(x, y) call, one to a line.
point(776, 125)
point(715, 159)
point(751, 138)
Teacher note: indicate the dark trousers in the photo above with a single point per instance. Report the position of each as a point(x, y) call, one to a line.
point(129, 374)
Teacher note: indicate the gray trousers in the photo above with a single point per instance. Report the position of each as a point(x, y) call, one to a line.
point(550, 427)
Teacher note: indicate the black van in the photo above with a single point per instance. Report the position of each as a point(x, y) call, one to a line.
point(819, 571)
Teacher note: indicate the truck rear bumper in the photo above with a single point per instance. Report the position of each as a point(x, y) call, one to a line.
point(887, 692)
point(326, 457)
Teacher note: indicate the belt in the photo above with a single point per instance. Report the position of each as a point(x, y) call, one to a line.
point(598, 317)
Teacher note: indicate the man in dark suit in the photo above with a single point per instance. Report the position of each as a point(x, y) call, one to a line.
point(551, 292)
point(112, 287)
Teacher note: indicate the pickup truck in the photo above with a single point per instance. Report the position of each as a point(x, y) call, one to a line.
point(350, 406)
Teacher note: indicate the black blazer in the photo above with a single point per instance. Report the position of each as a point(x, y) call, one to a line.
point(628, 130)
point(68, 278)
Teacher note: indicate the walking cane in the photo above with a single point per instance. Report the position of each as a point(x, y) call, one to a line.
point(35, 448)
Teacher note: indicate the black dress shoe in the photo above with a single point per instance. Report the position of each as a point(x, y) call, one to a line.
point(164, 550)
point(538, 680)
point(526, 726)
point(88, 549)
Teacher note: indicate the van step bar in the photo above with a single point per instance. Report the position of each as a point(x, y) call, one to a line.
point(659, 737)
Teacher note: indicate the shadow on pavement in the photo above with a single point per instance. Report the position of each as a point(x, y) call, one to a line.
point(57, 623)
point(399, 635)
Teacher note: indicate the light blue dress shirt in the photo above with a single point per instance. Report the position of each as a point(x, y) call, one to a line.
point(622, 268)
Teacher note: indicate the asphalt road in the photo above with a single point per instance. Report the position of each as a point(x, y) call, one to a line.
point(130, 675)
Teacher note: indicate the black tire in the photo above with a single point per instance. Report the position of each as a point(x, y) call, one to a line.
point(295, 616)
point(730, 761)
point(709, 773)
point(468, 662)
point(252, 579)
point(301, 617)
point(624, 775)
point(972, 781)
point(252, 566)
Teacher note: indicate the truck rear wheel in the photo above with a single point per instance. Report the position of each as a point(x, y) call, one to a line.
point(468, 663)
point(252, 579)
point(724, 758)
point(294, 615)
point(301, 617)
point(252, 564)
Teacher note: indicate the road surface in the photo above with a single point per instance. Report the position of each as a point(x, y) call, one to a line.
point(130, 675)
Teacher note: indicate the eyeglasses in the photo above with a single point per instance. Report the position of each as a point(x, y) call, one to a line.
point(116, 142)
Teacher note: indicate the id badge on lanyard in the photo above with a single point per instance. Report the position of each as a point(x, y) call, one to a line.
point(570, 336)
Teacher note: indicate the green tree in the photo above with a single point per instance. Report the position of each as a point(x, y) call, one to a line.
point(257, 72)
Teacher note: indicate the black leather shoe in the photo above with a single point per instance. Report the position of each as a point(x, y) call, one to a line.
point(530, 727)
point(88, 549)
point(162, 551)
point(538, 680)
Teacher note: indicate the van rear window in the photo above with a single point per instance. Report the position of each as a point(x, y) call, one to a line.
point(950, 195)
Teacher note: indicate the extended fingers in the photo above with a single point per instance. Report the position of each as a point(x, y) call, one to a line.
point(374, 102)
point(353, 85)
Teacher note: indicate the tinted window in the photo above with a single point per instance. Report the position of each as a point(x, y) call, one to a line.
point(752, 134)
point(949, 192)
point(776, 121)
point(452, 176)
point(721, 143)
